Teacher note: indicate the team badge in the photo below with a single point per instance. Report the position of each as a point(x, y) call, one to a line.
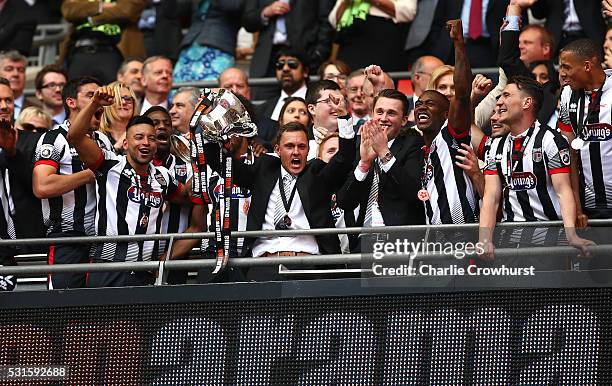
point(521, 181)
point(423, 195)
point(537, 155)
point(564, 154)
point(181, 170)
point(144, 221)
point(46, 151)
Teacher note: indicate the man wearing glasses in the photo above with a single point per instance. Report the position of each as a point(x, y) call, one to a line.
point(49, 83)
point(292, 76)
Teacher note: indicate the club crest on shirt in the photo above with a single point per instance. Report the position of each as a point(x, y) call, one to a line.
point(523, 181)
point(537, 154)
point(161, 180)
point(145, 197)
point(180, 170)
point(46, 151)
point(564, 155)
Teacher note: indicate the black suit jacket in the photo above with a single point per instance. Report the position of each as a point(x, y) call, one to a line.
point(438, 42)
point(315, 185)
point(397, 189)
point(17, 26)
point(589, 14)
point(266, 126)
point(308, 32)
point(510, 61)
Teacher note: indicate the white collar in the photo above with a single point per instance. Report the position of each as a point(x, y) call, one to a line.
point(301, 92)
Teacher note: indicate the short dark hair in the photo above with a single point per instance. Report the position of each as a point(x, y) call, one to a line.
point(394, 94)
point(553, 75)
point(153, 109)
point(584, 48)
point(72, 87)
point(38, 81)
point(123, 68)
point(290, 127)
point(5, 82)
point(287, 102)
point(315, 88)
point(139, 120)
point(531, 87)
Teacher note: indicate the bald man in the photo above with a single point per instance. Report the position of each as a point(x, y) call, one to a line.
point(236, 80)
point(421, 73)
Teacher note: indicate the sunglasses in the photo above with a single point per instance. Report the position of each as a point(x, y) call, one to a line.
point(127, 100)
point(292, 63)
point(31, 127)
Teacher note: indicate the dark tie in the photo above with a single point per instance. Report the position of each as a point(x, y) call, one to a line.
point(373, 197)
point(358, 125)
point(475, 27)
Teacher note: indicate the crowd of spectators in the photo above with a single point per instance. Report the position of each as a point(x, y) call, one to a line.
point(97, 149)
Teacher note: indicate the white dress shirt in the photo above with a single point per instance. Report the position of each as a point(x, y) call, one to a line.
point(301, 92)
point(306, 244)
point(58, 119)
point(146, 105)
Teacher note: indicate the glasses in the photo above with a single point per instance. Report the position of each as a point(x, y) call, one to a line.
point(335, 76)
point(31, 127)
point(328, 101)
point(355, 90)
point(292, 63)
point(54, 85)
point(128, 100)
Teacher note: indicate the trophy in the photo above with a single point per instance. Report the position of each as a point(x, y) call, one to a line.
point(219, 116)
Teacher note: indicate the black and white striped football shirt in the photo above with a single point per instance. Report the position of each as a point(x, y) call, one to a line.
point(595, 159)
point(73, 211)
point(452, 198)
point(239, 209)
point(528, 190)
point(176, 216)
point(129, 204)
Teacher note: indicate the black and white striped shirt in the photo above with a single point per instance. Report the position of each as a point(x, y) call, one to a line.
point(176, 216)
point(73, 211)
point(595, 159)
point(130, 204)
point(528, 190)
point(239, 209)
point(452, 198)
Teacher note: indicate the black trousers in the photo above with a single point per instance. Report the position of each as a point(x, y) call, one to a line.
point(119, 279)
point(67, 254)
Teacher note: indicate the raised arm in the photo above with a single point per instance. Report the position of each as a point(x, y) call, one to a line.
point(88, 149)
point(460, 117)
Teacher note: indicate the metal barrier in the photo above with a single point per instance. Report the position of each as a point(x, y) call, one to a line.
point(163, 266)
point(47, 38)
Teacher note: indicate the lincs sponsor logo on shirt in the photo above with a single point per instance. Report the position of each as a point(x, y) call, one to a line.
point(523, 181)
point(145, 197)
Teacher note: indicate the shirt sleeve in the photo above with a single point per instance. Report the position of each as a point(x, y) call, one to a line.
point(345, 127)
point(557, 154)
point(106, 161)
point(49, 150)
point(359, 175)
point(563, 122)
point(489, 159)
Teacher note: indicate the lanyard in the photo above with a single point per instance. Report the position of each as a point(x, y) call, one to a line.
point(511, 165)
point(281, 187)
point(426, 161)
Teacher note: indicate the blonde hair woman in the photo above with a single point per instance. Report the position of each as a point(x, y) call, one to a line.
point(115, 117)
point(442, 81)
point(34, 119)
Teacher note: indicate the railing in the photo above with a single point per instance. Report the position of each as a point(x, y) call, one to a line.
point(47, 39)
point(162, 267)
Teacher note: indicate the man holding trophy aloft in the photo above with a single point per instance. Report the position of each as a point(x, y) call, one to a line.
point(286, 191)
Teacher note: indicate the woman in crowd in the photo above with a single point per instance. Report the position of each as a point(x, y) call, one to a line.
point(209, 46)
point(442, 81)
point(116, 117)
point(295, 110)
point(34, 119)
point(373, 29)
point(337, 71)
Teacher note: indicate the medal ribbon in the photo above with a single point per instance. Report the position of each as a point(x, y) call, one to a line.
point(281, 185)
point(593, 107)
point(510, 162)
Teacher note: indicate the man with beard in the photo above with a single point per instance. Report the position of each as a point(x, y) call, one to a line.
point(177, 218)
point(131, 192)
point(527, 170)
point(446, 189)
point(292, 74)
point(65, 185)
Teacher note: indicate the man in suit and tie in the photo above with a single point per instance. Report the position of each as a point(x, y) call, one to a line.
point(49, 83)
point(13, 67)
point(299, 24)
point(386, 180)
point(292, 75)
point(290, 193)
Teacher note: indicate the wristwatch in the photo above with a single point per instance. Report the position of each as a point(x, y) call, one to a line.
point(386, 158)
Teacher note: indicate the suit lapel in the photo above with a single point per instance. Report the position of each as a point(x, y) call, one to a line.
point(302, 188)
